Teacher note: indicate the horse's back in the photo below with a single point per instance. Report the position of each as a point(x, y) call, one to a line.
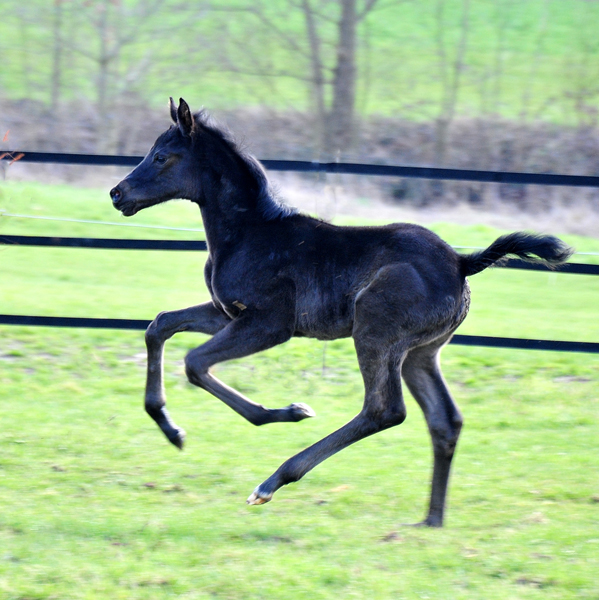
point(414, 272)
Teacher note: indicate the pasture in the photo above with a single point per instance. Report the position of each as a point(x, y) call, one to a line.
point(96, 503)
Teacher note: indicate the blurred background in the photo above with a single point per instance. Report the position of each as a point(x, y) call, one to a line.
point(477, 84)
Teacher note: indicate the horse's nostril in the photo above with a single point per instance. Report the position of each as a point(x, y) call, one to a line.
point(115, 194)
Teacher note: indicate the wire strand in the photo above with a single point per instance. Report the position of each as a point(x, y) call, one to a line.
point(88, 222)
point(196, 230)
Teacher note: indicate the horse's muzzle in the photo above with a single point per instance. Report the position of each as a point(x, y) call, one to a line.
point(127, 208)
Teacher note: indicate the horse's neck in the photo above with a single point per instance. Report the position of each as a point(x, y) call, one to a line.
point(227, 218)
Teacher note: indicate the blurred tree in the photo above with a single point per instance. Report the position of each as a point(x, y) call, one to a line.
point(451, 64)
point(57, 26)
point(582, 73)
point(56, 76)
point(450, 74)
point(322, 53)
point(100, 50)
point(113, 25)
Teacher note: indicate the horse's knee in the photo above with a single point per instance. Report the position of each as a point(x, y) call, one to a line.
point(154, 332)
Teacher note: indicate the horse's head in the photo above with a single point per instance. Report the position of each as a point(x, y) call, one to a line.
point(165, 172)
point(198, 161)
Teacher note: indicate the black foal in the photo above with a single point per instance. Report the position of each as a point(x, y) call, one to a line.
point(398, 290)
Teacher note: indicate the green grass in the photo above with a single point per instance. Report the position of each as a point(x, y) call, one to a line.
point(97, 504)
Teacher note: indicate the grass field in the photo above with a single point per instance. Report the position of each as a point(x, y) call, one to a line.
point(96, 504)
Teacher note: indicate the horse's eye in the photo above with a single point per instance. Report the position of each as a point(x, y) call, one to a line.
point(160, 159)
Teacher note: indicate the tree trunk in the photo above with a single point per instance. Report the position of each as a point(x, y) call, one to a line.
point(317, 80)
point(102, 81)
point(450, 77)
point(340, 123)
point(55, 83)
point(56, 57)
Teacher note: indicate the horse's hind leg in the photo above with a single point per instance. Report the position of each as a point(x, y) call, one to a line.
point(204, 318)
point(384, 314)
point(422, 374)
point(383, 408)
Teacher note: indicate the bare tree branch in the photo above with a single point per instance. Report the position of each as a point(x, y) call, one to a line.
point(368, 6)
point(259, 13)
point(317, 13)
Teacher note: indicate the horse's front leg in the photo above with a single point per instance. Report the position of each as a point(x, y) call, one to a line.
point(204, 318)
point(251, 332)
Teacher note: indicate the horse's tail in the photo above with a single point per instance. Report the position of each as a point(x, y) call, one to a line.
point(544, 249)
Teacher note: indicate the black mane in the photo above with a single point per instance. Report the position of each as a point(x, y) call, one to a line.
point(268, 202)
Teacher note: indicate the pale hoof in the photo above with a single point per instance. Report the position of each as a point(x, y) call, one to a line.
point(300, 411)
point(258, 497)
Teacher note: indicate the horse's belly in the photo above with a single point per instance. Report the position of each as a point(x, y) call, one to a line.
point(330, 333)
point(324, 320)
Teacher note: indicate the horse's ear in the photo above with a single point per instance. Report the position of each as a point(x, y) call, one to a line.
point(184, 118)
point(173, 108)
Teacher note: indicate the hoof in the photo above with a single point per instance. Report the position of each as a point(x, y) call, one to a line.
point(300, 411)
point(258, 497)
point(177, 438)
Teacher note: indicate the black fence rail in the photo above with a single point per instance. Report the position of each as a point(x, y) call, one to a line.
point(305, 166)
point(142, 324)
point(107, 243)
point(298, 166)
point(195, 245)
